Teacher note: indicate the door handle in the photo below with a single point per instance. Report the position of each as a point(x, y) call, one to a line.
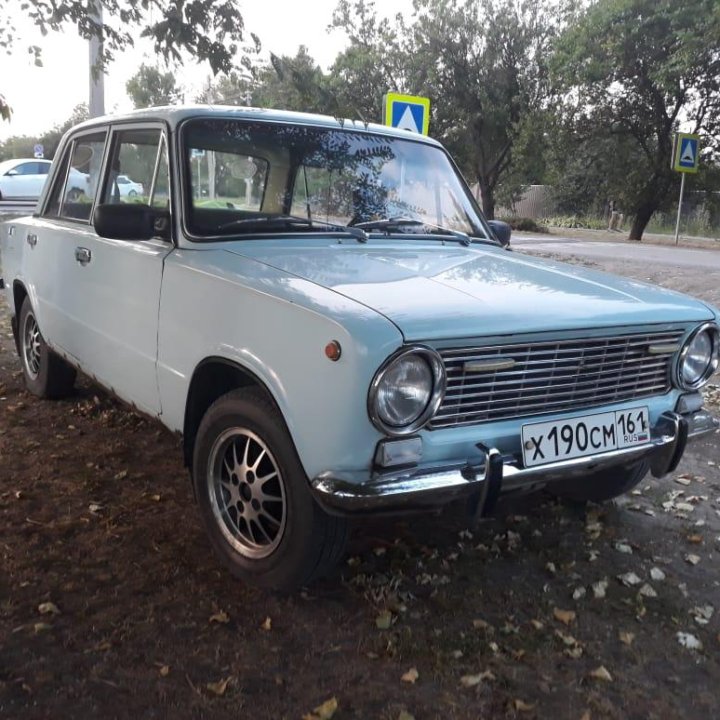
point(32, 239)
point(83, 255)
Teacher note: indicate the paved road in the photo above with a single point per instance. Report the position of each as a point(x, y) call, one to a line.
point(660, 254)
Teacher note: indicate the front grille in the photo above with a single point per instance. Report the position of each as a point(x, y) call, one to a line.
point(553, 377)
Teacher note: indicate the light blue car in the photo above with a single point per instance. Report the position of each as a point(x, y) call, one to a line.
point(321, 310)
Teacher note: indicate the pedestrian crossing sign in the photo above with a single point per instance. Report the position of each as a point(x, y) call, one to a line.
point(407, 112)
point(686, 153)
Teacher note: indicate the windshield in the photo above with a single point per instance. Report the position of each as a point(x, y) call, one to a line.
point(245, 176)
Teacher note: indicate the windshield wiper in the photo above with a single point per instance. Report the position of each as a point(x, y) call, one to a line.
point(388, 223)
point(293, 221)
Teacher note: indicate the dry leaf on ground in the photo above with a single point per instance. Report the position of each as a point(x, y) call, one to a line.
point(626, 637)
point(564, 616)
point(384, 620)
point(219, 687)
point(601, 673)
point(324, 711)
point(689, 641)
point(266, 624)
point(48, 608)
point(472, 680)
point(410, 676)
point(220, 617)
point(522, 706)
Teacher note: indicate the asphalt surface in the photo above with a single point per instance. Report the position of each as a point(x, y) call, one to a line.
point(655, 254)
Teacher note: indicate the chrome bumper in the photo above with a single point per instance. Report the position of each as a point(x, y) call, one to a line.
point(482, 482)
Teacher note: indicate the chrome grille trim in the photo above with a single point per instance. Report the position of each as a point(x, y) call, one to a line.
point(553, 376)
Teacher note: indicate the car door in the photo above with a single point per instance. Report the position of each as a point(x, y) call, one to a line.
point(99, 297)
point(117, 282)
point(49, 239)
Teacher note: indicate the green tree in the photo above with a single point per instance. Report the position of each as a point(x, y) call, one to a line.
point(631, 72)
point(205, 29)
point(481, 62)
point(150, 87)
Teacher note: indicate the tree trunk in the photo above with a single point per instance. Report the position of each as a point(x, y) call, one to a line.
point(641, 219)
point(488, 199)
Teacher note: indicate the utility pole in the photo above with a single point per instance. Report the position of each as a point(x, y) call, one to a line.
point(96, 106)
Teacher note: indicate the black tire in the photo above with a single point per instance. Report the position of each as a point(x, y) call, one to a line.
point(302, 542)
point(46, 374)
point(601, 486)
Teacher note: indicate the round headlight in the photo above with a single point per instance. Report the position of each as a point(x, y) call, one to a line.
point(699, 357)
point(407, 391)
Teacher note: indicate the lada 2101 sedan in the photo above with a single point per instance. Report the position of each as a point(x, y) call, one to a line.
point(322, 311)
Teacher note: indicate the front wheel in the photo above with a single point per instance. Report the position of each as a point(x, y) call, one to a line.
point(603, 485)
point(255, 499)
point(46, 374)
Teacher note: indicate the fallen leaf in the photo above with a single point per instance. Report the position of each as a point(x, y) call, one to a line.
point(324, 711)
point(522, 706)
point(626, 638)
point(219, 617)
point(472, 680)
point(95, 508)
point(564, 616)
point(573, 652)
point(689, 641)
point(682, 480)
point(219, 687)
point(410, 676)
point(623, 548)
point(164, 670)
point(266, 624)
point(600, 588)
point(579, 592)
point(405, 715)
point(40, 626)
point(481, 625)
point(695, 539)
point(48, 608)
point(629, 579)
point(601, 673)
point(585, 715)
point(384, 620)
point(121, 475)
point(692, 559)
point(537, 624)
point(647, 590)
point(657, 574)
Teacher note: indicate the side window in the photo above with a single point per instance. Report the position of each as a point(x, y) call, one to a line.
point(75, 186)
point(27, 168)
point(132, 166)
point(43, 168)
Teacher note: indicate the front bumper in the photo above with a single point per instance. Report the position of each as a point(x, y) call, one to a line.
point(416, 488)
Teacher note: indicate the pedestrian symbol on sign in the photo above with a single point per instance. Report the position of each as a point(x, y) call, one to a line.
point(685, 153)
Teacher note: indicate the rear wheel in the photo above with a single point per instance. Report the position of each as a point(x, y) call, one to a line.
point(255, 499)
point(603, 485)
point(46, 374)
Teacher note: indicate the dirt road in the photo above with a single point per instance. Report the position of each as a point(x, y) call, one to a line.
point(112, 605)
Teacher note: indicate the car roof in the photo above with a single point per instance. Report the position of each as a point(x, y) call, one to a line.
point(176, 114)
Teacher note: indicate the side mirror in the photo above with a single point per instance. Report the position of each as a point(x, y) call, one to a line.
point(11, 173)
point(502, 231)
point(131, 221)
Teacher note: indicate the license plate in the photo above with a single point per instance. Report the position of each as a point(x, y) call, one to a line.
point(589, 435)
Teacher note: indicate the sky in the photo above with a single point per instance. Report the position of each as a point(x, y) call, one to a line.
point(44, 96)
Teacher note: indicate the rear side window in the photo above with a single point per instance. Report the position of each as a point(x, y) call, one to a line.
point(75, 187)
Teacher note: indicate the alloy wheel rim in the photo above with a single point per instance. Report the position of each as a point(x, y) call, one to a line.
point(247, 493)
point(32, 346)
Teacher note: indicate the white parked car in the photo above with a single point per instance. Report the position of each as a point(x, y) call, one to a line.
point(24, 179)
point(338, 330)
point(128, 187)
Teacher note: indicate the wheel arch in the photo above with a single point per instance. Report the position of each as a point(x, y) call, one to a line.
point(20, 292)
point(212, 378)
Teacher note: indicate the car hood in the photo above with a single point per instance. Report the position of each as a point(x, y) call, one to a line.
point(432, 291)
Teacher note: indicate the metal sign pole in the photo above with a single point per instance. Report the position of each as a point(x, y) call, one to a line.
point(677, 224)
